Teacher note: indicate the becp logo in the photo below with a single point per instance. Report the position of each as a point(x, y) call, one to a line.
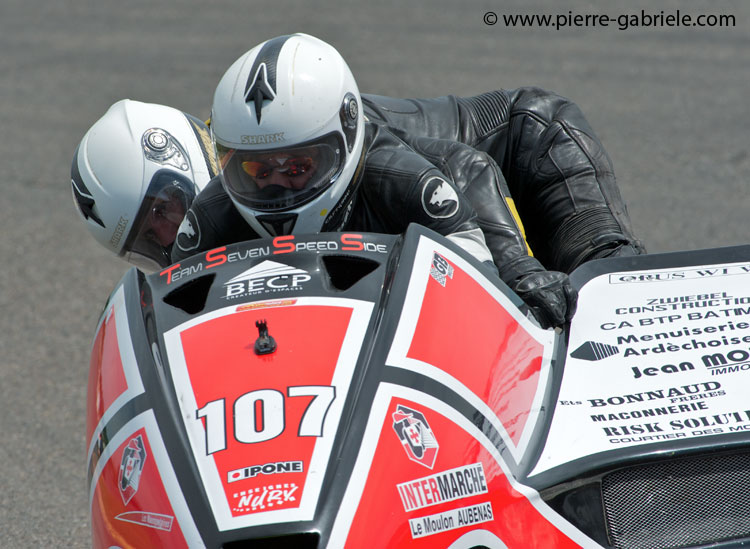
point(266, 277)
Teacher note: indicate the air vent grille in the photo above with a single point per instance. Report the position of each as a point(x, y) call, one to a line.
point(679, 503)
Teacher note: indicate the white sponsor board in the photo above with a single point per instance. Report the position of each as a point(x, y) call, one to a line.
point(654, 356)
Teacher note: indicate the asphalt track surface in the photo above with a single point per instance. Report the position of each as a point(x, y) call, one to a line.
point(670, 104)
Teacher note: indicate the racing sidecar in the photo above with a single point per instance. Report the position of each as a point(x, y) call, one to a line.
point(364, 390)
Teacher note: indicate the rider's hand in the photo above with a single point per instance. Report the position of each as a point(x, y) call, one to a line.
point(549, 295)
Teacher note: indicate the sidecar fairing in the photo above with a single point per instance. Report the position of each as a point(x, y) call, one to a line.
point(350, 390)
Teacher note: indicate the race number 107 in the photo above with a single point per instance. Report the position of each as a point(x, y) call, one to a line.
point(260, 415)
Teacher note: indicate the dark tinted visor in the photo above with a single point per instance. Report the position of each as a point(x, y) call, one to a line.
point(149, 243)
point(280, 179)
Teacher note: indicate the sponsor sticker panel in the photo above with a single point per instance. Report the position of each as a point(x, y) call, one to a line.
point(454, 317)
point(416, 506)
point(135, 499)
point(261, 432)
point(654, 356)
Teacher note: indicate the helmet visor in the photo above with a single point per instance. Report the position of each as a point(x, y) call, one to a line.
point(149, 243)
point(281, 179)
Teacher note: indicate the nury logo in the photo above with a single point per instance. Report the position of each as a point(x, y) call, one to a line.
point(268, 276)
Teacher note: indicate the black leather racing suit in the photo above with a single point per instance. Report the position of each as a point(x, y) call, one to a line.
point(557, 170)
point(394, 188)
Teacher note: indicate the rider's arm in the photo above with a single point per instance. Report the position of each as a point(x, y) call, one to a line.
point(476, 175)
point(479, 179)
point(401, 186)
point(557, 170)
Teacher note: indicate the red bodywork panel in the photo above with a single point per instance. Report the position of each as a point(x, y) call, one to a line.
point(309, 340)
point(130, 505)
point(466, 333)
point(106, 374)
point(403, 504)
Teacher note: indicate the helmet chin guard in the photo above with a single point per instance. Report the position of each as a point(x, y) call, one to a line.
point(288, 127)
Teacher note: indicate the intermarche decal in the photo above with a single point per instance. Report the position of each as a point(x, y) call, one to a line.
point(401, 506)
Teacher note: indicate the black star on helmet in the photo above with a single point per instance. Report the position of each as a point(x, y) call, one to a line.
point(260, 90)
point(85, 201)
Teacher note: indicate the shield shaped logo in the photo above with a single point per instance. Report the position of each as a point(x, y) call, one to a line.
point(131, 466)
point(440, 269)
point(416, 437)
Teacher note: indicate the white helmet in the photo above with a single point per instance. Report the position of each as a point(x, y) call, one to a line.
point(288, 127)
point(135, 173)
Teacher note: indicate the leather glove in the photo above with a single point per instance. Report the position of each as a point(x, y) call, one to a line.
point(550, 296)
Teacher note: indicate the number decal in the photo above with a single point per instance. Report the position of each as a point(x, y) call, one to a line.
point(315, 414)
point(260, 415)
point(216, 436)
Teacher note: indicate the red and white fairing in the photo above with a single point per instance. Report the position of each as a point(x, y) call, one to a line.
point(459, 492)
point(398, 410)
point(132, 481)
